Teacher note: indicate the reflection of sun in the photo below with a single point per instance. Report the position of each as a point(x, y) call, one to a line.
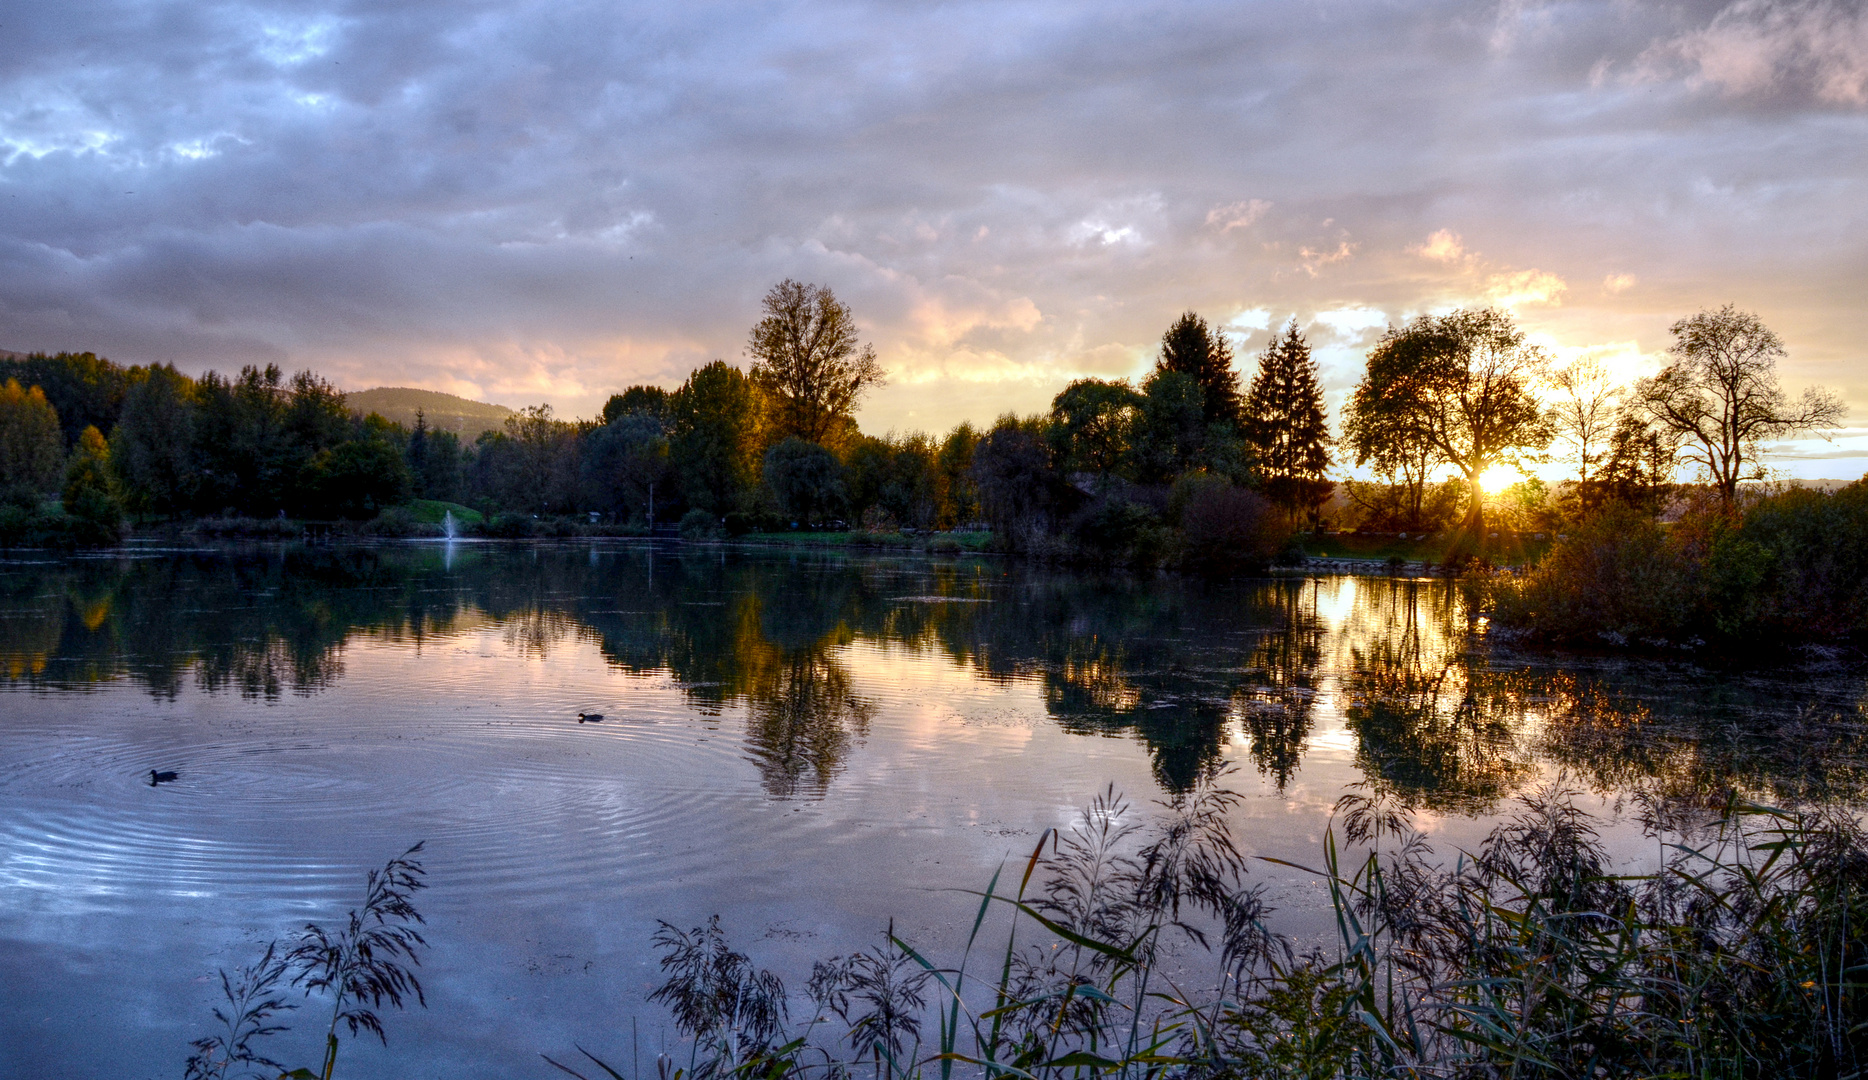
point(1498, 478)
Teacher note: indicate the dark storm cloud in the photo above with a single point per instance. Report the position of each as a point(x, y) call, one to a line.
point(549, 200)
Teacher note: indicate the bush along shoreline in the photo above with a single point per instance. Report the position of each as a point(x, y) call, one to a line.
point(1780, 569)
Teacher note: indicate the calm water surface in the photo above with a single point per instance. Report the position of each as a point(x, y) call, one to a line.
point(805, 744)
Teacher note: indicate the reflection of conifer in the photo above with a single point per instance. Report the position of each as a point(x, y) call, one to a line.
point(1285, 424)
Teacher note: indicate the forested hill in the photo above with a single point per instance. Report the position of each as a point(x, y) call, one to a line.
point(445, 412)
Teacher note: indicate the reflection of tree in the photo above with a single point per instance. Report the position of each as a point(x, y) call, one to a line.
point(1428, 727)
point(257, 622)
point(1182, 667)
point(1275, 709)
point(800, 722)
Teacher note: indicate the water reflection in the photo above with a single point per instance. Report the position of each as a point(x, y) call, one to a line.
point(1437, 716)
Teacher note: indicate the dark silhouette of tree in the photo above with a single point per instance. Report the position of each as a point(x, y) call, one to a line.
point(1285, 425)
point(714, 437)
point(151, 447)
point(1092, 422)
point(805, 478)
point(1720, 396)
point(1020, 491)
point(1170, 432)
point(1638, 467)
point(652, 400)
point(1457, 387)
point(1194, 349)
point(957, 492)
point(356, 479)
point(806, 357)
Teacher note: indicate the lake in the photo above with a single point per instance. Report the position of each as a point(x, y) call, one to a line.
point(806, 743)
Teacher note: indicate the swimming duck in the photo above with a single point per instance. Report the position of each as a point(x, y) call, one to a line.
point(162, 777)
point(590, 718)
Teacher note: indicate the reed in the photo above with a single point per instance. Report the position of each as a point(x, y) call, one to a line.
point(362, 965)
point(1745, 954)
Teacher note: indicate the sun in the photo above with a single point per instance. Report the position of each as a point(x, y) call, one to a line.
point(1498, 478)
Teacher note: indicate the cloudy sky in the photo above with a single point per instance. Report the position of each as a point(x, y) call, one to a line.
point(524, 201)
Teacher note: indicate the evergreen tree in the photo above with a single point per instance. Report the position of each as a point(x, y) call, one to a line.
point(417, 456)
point(1285, 425)
point(1194, 349)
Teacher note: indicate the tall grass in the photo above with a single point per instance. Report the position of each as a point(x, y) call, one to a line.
point(362, 965)
point(1744, 955)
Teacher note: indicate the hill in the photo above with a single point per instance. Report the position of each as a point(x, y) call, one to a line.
point(443, 411)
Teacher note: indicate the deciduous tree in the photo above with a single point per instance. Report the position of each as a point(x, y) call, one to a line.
point(805, 355)
point(152, 445)
point(804, 477)
point(1720, 396)
point(1457, 385)
point(1092, 422)
point(1585, 411)
point(32, 452)
point(714, 421)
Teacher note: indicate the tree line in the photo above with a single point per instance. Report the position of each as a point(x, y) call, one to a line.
point(1186, 461)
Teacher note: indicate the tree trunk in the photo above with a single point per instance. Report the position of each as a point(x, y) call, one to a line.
point(1475, 510)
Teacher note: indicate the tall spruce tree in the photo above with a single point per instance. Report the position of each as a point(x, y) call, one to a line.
point(1285, 425)
point(1193, 348)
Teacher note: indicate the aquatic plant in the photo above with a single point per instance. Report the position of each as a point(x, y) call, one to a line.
point(1745, 954)
point(367, 962)
point(254, 996)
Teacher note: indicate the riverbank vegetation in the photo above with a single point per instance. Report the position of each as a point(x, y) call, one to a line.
point(1137, 948)
point(1186, 468)
point(1133, 946)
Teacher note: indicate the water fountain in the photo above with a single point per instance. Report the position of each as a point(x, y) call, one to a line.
point(447, 524)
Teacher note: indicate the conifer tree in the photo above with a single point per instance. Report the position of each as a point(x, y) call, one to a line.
point(1193, 348)
point(1285, 425)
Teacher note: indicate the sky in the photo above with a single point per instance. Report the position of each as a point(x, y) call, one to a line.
point(524, 201)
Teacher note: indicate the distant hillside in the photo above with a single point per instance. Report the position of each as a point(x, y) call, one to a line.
point(444, 411)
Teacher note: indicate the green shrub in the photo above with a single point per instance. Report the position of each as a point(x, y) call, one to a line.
point(395, 522)
point(1617, 577)
point(698, 524)
point(507, 526)
point(1792, 567)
